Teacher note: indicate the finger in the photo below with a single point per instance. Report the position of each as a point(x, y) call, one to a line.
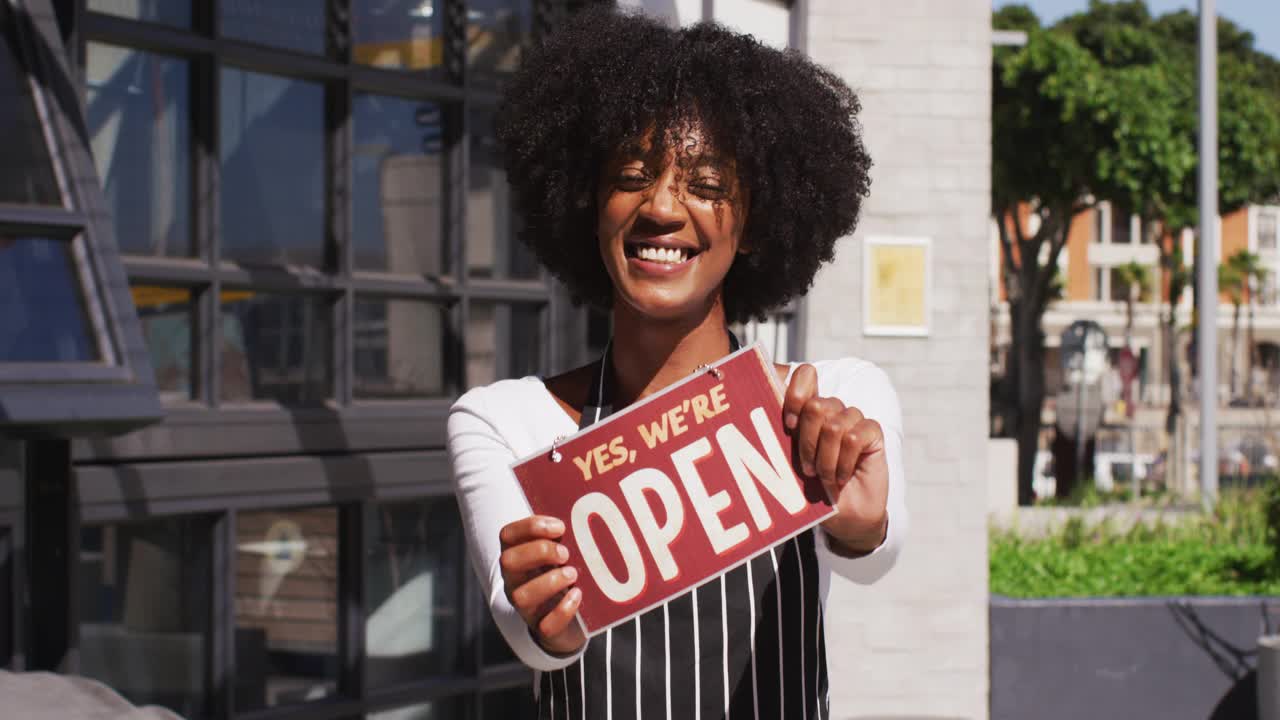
point(803, 385)
point(830, 445)
point(558, 619)
point(864, 438)
point(531, 596)
point(530, 556)
point(813, 416)
point(530, 528)
point(849, 447)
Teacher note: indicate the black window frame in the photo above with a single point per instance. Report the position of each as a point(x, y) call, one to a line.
point(343, 423)
point(116, 393)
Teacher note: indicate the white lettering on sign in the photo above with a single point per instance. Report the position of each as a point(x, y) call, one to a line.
point(657, 537)
point(775, 474)
point(600, 505)
point(750, 469)
point(707, 507)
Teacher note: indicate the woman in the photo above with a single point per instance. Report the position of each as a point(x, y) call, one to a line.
point(685, 179)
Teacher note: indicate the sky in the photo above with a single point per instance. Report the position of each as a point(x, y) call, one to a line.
point(1261, 17)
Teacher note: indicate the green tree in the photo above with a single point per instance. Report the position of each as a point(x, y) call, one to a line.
point(1103, 107)
point(1046, 132)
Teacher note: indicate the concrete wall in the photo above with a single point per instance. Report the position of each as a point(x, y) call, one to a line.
point(1169, 658)
point(915, 644)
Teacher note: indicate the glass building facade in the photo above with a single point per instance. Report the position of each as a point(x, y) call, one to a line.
point(303, 203)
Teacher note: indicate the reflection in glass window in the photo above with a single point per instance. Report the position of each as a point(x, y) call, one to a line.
point(442, 709)
point(496, 31)
point(399, 348)
point(26, 172)
point(503, 341)
point(145, 610)
point(139, 124)
point(166, 316)
point(290, 24)
point(42, 311)
point(273, 169)
point(405, 35)
point(413, 576)
point(492, 247)
point(167, 12)
point(396, 185)
point(275, 347)
point(286, 607)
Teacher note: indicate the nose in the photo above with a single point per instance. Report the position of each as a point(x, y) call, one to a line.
point(664, 206)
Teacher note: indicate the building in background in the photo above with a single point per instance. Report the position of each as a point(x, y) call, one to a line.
point(1101, 240)
point(305, 246)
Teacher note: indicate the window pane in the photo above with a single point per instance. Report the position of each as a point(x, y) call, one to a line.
point(169, 12)
point(503, 341)
point(26, 173)
point(1267, 229)
point(510, 704)
point(412, 587)
point(443, 709)
point(396, 190)
point(273, 164)
point(42, 311)
point(275, 347)
point(145, 610)
point(496, 30)
point(1121, 230)
point(399, 348)
point(290, 24)
point(492, 247)
point(286, 607)
point(402, 35)
point(166, 315)
point(138, 114)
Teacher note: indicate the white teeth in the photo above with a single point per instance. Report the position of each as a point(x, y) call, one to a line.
point(670, 256)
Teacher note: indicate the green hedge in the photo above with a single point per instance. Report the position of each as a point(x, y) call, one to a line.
point(1228, 553)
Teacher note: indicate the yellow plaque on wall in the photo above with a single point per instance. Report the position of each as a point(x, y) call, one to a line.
point(896, 286)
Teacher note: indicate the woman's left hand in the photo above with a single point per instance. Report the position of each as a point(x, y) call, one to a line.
point(846, 452)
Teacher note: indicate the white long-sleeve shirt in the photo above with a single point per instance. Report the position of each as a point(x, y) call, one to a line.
point(492, 426)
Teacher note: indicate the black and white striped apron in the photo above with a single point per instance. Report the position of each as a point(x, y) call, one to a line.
point(748, 645)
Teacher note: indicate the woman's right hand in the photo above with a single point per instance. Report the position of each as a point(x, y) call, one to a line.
point(538, 585)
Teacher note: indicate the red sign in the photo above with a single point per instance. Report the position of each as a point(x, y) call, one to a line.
point(674, 490)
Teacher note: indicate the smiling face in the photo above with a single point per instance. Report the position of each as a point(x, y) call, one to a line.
point(670, 227)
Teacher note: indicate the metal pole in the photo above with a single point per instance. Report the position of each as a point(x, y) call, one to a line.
point(1207, 328)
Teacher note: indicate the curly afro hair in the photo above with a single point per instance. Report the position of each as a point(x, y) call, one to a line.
point(607, 78)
